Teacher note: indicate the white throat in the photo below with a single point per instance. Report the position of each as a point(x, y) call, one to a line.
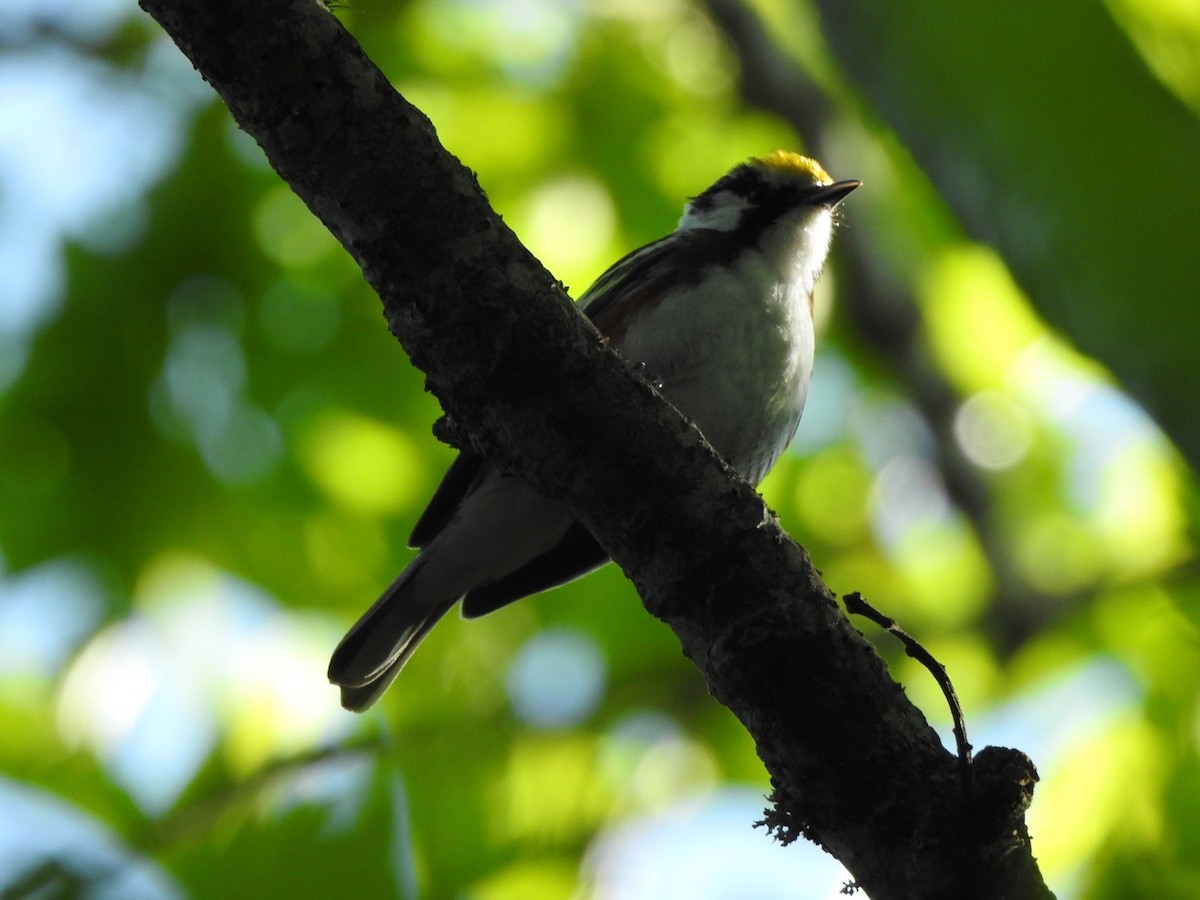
point(796, 246)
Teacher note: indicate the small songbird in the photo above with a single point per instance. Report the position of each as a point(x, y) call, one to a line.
point(719, 315)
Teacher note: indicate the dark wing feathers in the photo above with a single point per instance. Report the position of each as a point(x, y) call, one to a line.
point(456, 483)
point(614, 285)
point(575, 555)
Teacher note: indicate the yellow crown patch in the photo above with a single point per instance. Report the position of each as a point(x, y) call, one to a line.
point(794, 163)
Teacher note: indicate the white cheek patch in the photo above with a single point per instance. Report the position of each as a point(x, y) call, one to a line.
point(723, 214)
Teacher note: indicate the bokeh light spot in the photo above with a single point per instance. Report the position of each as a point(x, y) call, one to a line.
point(1056, 553)
point(557, 678)
point(993, 431)
point(831, 494)
point(360, 463)
point(908, 492)
point(702, 849)
point(945, 574)
point(567, 223)
point(969, 292)
point(45, 612)
point(547, 793)
point(207, 660)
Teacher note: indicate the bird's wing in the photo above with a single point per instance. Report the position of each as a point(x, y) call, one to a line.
point(464, 472)
point(641, 281)
point(572, 557)
point(626, 279)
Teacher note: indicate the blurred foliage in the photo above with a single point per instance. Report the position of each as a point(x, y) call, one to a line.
point(211, 452)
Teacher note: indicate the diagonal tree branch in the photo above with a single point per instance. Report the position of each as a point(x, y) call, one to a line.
point(528, 382)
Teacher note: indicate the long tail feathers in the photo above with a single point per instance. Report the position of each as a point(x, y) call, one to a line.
point(359, 698)
point(375, 650)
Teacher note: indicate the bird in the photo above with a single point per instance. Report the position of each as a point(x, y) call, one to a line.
point(718, 315)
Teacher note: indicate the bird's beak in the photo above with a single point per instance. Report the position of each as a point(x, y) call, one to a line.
point(831, 195)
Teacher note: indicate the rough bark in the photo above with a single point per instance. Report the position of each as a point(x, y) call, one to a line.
point(527, 381)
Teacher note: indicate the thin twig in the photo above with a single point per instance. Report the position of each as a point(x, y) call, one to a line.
point(856, 604)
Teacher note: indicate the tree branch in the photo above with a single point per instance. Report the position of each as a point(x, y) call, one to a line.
point(529, 383)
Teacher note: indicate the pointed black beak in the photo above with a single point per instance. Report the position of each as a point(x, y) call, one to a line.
point(830, 195)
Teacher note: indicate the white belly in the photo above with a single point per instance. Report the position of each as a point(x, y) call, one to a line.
point(737, 362)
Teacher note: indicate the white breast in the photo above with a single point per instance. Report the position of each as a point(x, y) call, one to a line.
point(736, 357)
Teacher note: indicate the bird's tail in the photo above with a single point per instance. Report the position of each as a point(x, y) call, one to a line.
point(375, 650)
